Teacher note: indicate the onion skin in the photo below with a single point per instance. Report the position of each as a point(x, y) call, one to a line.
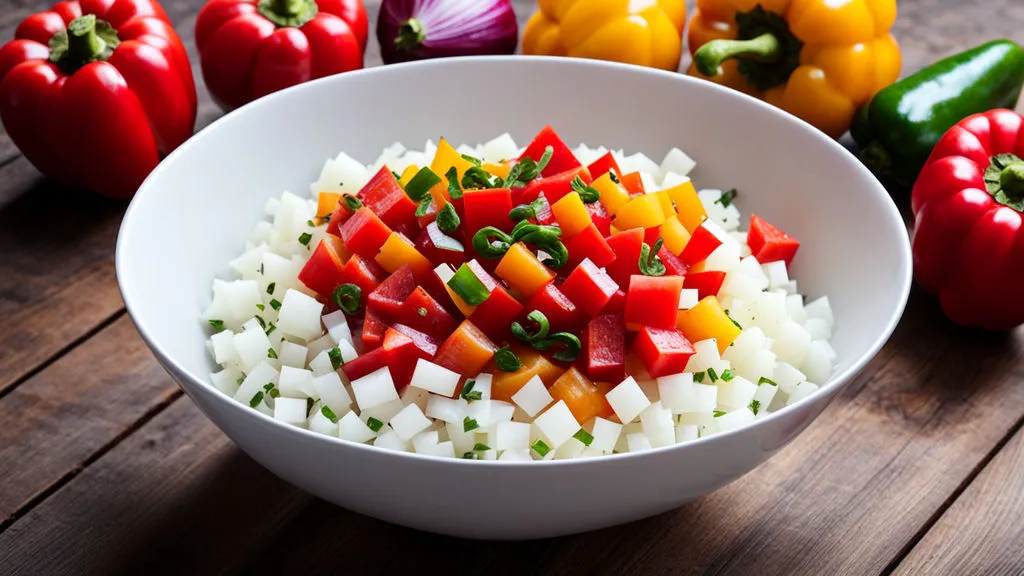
point(410, 30)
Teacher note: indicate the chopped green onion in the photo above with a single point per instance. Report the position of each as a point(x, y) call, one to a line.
point(268, 386)
point(755, 406)
point(424, 206)
point(275, 304)
point(309, 406)
point(571, 342)
point(329, 414)
point(719, 413)
point(764, 380)
point(261, 307)
point(261, 322)
point(468, 394)
point(585, 437)
point(736, 324)
point(271, 353)
point(256, 399)
point(698, 377)
point(526, 211)
point(396, 175)
point(588, 194)
point(469, 424)
point(304, 238)
point(713, 375)
point(218, 325)
point(470, 456)
point(728, 375)
point(271, 287)
point(726, 198)
point(419, 187)
point(447, 219)
point(614, 176)
point(558, 252)
point(540, 448)
point(507, 360)
point(650, 264)
point(480, 447)
point(374, 424)
point(351, 202)
point(472, 160)
point(261, 268)
point(491, 249)
point(240, 379)
point(347, 298)
point(270, 328)
point(335, 355)
point(454, 190)
point(468, 286)
point(527, 170)
point(542, 331)
point(310, 224)
point(274, 393)
point(476, 178)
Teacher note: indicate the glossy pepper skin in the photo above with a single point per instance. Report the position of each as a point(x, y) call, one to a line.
point(608, 30)
point(826, 59)
point(96, 107)
point(968, 226)
point(251, 48)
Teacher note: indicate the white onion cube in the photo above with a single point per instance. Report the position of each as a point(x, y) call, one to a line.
point(678, 162)
point(224, 347)
point(512, 436)
point(736, 393)
point(676, 391)
point(687, 432)
point(820, 308)
point(657, 424)
point(255, 381)
point(433, 378)
point(688, 298)
point(352, 428)
point(389, 440)
point(332, 392)
point(734, 419)
point(425, 442)
point(322, 424)
point(227, 380)
point(557, 424)
point(290, 410)
point(300, 316)
point(446, 409)
point(296, 383)
point(802, 391)
point(705, 399)
point(627, 400)
point(533, 396)
point(409, 422)
point(606, 434)
point(374, 389)
point(482, 384)
point(337, 327)
point(252, 347)
point(292, 354)
point(787, 377)
point(638, 442)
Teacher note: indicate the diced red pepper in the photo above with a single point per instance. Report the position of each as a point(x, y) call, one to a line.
point(562, 314)
point(632, 183)
point(466, 351)
point(364, 273)
point(398, 352)
point(653, 300)
point(589, 288)
point(427, 244)
point(604, 342)
point(340, 215)
point(600, 218)
point(323, 272)
point(373, 332)
point(700, 246)
point(673, 265)
point(487, 208)
point(562, 158)
point(590, 244)
point(364, 233)
point(556, 187)
point(434, 319)
point(386, 300)
point(495, 316)
point(385, 196)
point(769, 244)
point(617, 303)
point(651, 235)
point(705, 283)
point(626, 246)
point(603, 165)
point(663, 352)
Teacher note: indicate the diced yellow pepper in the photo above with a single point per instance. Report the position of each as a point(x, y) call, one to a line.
point(506, 384)
point(666, 203)
point(688, 206)
point(500, 170)
point(674, 234)
point(523, 271)
point(398, 251)
point(612, 229)
point(640, 212)
point(408, 175)
point(445, 158)
point(707, 320)
point(571, 215)
point(326, 204)
point(612, 195)
point(466, 308)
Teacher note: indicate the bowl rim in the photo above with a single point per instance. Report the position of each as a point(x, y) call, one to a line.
point(833, 385)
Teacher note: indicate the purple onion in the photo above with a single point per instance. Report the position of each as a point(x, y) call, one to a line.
point(421, 29)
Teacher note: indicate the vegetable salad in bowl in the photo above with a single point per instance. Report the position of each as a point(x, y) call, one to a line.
point(499, 303)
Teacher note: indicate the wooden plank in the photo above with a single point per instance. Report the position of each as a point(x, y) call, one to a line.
point(60, 419)
point(981, 533)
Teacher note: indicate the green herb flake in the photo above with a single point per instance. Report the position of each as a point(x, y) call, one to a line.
point(588, 194)
point(470, 456)
point(218, 325)
point(396, 175)
point(374, 424)
point(256, 399)
point(335, 355)
point(614, 176)
point(304, 239)
point(728, 375)
point(736, 324)
point(271, 287)
point(719, 413)
point(507, 360)
point(261, 268)
point(351, 202)
point(270, 328)
point(268, 386)
point(261, 307)
point(472, 160)
point(275, 304)
point(310, 224)
point(423, 208)
point(454, 190)
point(755, 406)
point(698, 377)
point(271, 353)
point(421, 312)
point(713, 375)
point(764, 380)
point(447, 218)
point(584, 437)
point(479, 447)
point(309, 406)
point(468, 394)
point(329, 414)
point(540, 448)
point(261, 322)
point(274, 393)
point(726, 198)
point(419, 187)
point(469, 424)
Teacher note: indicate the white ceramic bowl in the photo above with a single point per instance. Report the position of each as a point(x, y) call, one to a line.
point(192, 216)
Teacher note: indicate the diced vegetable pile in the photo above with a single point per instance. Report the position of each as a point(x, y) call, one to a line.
point(516, 304)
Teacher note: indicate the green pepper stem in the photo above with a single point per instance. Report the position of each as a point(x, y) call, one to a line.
point(876, 158)
point(411, 34)
point(764, 48)
point(83, 43)
point(1011, 178)
point(287, 7)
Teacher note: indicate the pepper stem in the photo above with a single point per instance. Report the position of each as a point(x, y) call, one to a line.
point(1004, 180)
point(1011, 178)
point(411, 34)
point(287, 7)
point(876, 158)
point(764, 48)
point(84, 44)
point(288, 13)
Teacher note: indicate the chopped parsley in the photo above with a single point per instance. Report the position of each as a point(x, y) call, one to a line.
point(479, 447)
point(335, 355)
point(271, 353)
point(421, 311)
point(468, 394)
point(469, 424)
point(310, 224)
point(584, 437)
point(728, 375)
point(614, 176)
point(374, 424)
point(261, 322)
point(218, 325)
point(304, 239)
point(698, 377)
point(261, 307)
point(275, 304)
point(713, 375)
point(470, 456)
point(271, 287)
point(256, 399)
point(719, 413)
point(764, 380)
point(270, 328)
point(726, 198)
point(507, 360)
point(755, 406)
point(540, 448)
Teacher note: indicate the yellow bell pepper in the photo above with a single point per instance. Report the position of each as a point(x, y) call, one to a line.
point(397, 251)
point(408, 175)
point(499, 170)
point(645, 33)
point(327, 203)
point(612, 195)
point(819, 60)
point(523, 271)
point(707, 320)
point(571, 214)
point(674, 234)
point(689, 208)
point(641, 212)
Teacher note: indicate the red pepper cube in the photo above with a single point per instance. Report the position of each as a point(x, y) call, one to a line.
point(705, 283)
point(603, 165)
point(674, 266)
point(386, 300)
point(769, 244)
point(700, 246)
point(487, 208)
point(437, 247)
point(364, 233)
point(495, 316)
point(616, 304)
point(385, 196)
point(340, 215)
point(604, 341)
point(626, 246)
point(632, 183)
point(466, 351)
point(600, 218)
point(366, 274)
point(590, 245)
point(398, 352)
point(653, 300)
point(561, 313)
point(323, 272)
point(373, 332)
point(425, 342)
point(556, 187)
point(562, 158)
point(424, 313)
point(589, 288)
point(663, 352)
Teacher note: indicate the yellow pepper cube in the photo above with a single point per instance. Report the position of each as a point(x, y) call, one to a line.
point(466, 308)
point(398, 251)
point(409, 173)
point(327, 203)
point(612, 195)
point(571, 215)
point(666, 203)
point(446, 157)
point(707, 320)
point(499, 170)
point(674, 234)
point(688, 205)
point(640, 212)
point(523, 271)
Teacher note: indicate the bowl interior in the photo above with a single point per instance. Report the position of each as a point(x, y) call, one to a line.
point(195, 211)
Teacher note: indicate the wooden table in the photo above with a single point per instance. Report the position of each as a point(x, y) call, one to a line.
point(917, 468)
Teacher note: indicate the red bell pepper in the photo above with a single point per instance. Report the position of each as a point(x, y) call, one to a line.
point(385, 196)
point(487, 208)
point(604, 343)
point(653, 300)
point(364, 233)
point(422, 312)
point(589, 288)
point(323, 272)
point(249, 49)
point(701, 245)
point(545, 217)
point(340, 215)
point(968, 230)
point(562, 158)
point(603, 165)
point(398, 352)
point(632, 183)
point(437, 247)
point(495, 316)
point(118, 74)
point(673, 265)
point(466, 351)
point(663, 352)
point(706, 283)
point(553, 188)
point(387, 298)
point(626, 245)
point(767, 243)
point(424, 342)
point(562, 314)
point(590, 244)
point(616, 304)
point(363, 273)
point(599, 217)
point(373, 332)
